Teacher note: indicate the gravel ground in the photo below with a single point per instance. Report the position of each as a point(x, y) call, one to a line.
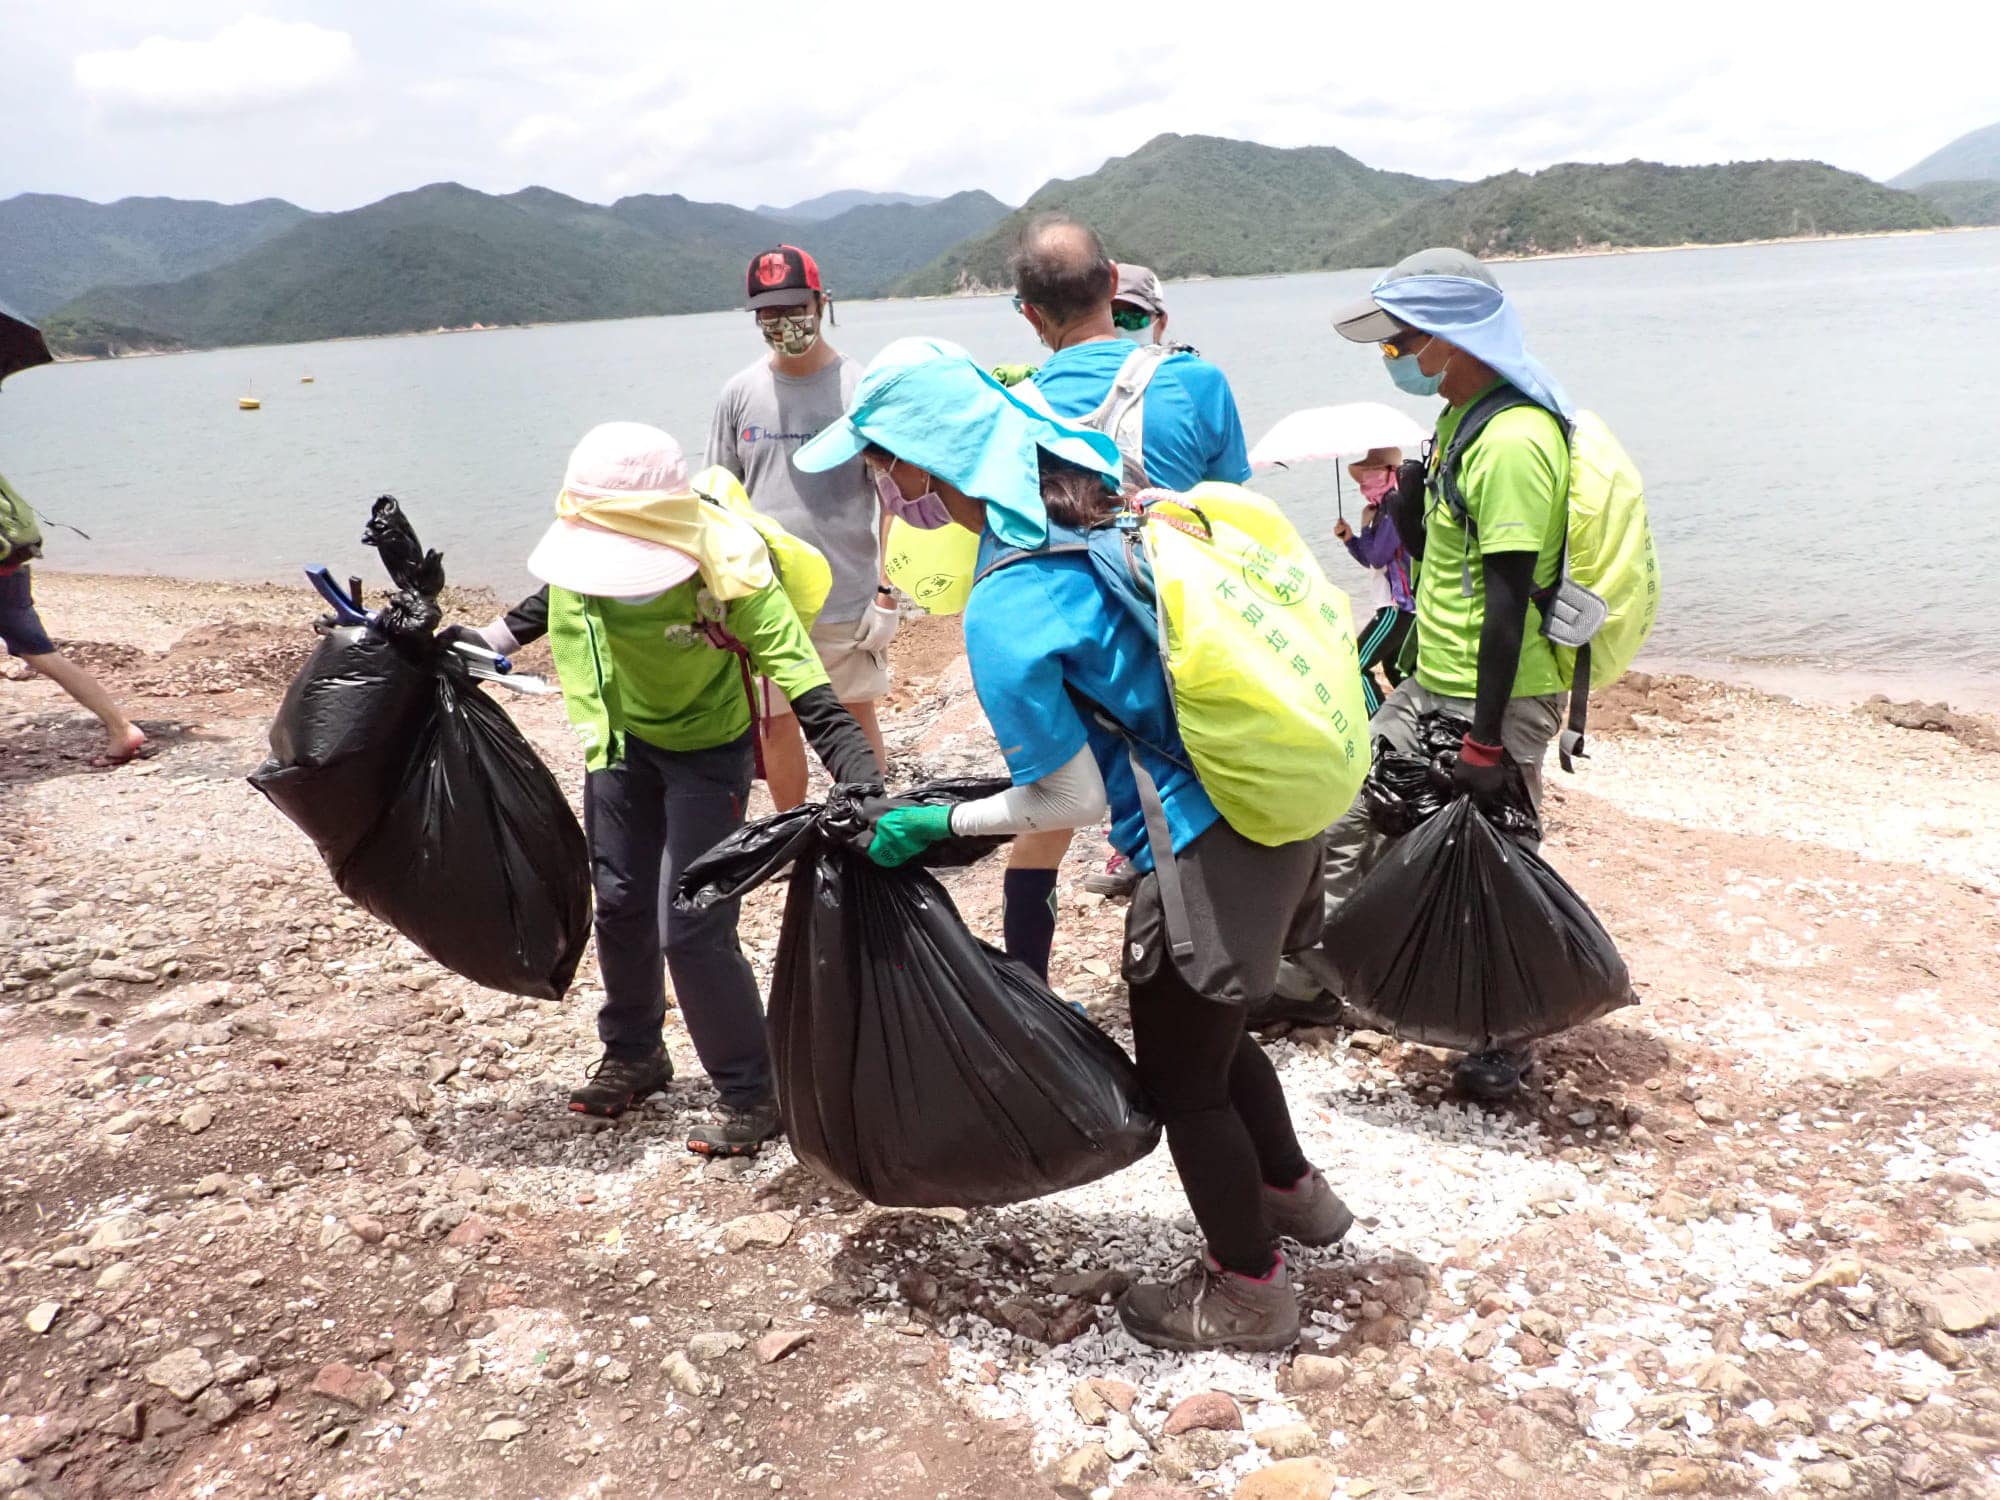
point(287, 1210)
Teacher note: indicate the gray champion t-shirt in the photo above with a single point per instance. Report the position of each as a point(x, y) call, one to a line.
point(760, 420)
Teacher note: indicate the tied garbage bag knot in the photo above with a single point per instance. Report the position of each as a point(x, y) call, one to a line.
point(428, 806)
point(1405, 789)
point(914, 1063)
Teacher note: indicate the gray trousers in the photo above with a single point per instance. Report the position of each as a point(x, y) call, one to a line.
point(1354, 844)
point(647, 819)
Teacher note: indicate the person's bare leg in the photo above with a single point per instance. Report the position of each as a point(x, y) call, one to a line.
point(784, 761)
point(864, 715)
point(122, 738)
point(1040, 851)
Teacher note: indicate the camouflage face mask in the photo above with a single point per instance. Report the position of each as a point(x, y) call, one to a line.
point(792, 334)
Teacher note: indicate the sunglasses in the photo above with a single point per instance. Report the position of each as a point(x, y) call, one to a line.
point(1131, 319)
point(1402, 343)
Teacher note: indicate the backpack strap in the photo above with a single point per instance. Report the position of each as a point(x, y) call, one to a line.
point(1124, 401)
point(1569, 744)
point(1444, 474)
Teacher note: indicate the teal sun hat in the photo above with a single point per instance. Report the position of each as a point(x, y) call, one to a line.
point(932, 405)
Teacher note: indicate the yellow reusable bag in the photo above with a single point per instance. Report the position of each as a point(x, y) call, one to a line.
point(1260, 652)
point(935, 568)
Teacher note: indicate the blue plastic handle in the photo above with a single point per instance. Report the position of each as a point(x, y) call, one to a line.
point(347, 611)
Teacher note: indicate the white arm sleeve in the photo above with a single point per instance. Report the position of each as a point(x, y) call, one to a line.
point(1069, 797)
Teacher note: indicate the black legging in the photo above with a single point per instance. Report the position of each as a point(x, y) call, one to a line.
point(1227, 1123)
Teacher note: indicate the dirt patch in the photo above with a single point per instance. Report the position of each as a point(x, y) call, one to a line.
point(1974, 731)
point(1642, 695)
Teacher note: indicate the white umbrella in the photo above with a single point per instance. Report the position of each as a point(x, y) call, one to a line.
point(1346, 431)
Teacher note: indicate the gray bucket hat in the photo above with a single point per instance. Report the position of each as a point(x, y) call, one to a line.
point(1364, 322)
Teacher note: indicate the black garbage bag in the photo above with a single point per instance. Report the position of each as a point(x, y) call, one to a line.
point(1405, 789)
point(1462, 938)
point(428, 806)
point(915, 1064)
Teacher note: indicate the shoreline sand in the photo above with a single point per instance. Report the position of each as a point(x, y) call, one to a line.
point(291, 1211)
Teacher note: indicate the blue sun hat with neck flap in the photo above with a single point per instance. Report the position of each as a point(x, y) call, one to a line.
point(932, 405)
point(1451, 295)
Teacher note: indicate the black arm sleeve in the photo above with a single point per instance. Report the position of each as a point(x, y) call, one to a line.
point(1406, 506)
point(529, 620)
point(1510, 579)
point(836, 738)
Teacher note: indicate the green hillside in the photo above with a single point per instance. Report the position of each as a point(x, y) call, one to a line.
point(1197, 206)
point(866, 250)
point(1973, 157)
point(1580, 206)
point(446, 256)
point(52, 248)
point(1964, 202)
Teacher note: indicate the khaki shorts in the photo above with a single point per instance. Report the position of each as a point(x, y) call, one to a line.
point(857, 676)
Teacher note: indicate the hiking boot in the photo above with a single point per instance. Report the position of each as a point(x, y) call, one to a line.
point(1299, 1000)
point(1210, 1308)
point(737, 1132)
point(614, 1084)
point(1495, 1074)
point(1116, 881)
point(1308, 1211)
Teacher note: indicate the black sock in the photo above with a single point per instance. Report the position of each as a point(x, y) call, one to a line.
point(1028, 917)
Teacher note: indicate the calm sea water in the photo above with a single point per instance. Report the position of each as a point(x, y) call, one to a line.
point(1814, 422)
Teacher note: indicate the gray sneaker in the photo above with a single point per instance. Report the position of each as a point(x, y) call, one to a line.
point(1210, 1308)
point(1309, 1211)
point(737, 1132)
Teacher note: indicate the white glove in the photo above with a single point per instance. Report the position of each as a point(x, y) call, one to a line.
point(877, 628)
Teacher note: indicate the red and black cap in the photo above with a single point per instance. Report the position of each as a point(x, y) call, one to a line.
point(779, 276)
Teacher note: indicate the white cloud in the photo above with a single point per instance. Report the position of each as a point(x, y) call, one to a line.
point(248, 65)
point(541, 133)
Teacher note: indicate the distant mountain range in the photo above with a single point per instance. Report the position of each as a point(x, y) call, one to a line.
point(1197, 205)
point(146, 274)
point(1973, 157)
point(1587, 207)
point(446, 256)
point(1961, 179)
point(826, 205)
point(52, 248)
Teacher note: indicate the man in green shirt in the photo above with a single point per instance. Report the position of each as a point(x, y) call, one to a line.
point(1480, 651)
point(652, 594)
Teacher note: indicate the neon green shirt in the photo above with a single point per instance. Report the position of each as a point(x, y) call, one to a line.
point(1515, 480)
point(667, 683)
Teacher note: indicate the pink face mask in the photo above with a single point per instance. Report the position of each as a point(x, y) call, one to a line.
point(926, 512)
point(1377, 484)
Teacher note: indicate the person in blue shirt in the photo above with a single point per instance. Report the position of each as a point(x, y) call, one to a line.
point(1174, 419)
point(1069, 673)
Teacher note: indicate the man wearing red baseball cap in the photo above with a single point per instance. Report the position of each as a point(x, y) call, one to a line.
point(762, 416)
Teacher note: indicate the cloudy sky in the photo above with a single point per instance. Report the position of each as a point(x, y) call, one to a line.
point(333, 105)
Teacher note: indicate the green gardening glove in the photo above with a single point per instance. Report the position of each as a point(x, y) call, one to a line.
point(902, 833)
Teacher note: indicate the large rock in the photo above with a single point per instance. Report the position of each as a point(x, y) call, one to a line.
point(360, 1389)
point(1209, 1411)
point(766, 1231)
point(1078, 1474)
point(1097, 1398)
point(183, 1374)
point(1294, 1479)
point(1291, 1440)
point(1959, 1301)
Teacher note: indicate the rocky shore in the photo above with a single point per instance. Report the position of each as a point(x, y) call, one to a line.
point(286, 1210)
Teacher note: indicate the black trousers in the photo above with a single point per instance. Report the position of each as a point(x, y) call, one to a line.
point(647, 818)
point(1228, 1127)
